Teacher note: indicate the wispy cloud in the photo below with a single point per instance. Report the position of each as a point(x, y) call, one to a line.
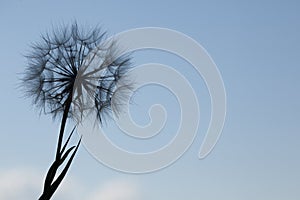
point(19, 184)
point(116, 190)
point(26, 184)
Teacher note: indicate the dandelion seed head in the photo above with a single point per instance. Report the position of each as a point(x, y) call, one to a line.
point(71, 62)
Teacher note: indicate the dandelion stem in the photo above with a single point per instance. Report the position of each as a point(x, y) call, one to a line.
point(62, 126)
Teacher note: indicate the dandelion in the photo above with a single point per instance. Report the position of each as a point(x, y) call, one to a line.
point(63, 64)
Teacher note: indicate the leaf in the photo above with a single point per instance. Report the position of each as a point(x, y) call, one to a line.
point(66, 154)
point(51, 174)
point(56, 183)
point(65, 145)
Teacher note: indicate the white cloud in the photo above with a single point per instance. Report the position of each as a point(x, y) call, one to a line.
point(116, 190)
point(19, 184)
point(26, 184)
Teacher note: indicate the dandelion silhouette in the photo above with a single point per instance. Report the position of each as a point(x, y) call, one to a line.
point(58, 70)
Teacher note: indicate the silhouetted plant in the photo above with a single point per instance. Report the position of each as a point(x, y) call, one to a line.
point(60, 59)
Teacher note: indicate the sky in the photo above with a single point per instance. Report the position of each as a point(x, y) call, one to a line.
point(255, 45)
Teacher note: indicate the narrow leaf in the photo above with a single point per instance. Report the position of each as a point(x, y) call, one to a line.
point(56, 183)
point(66, 154)
point(65, 145)
point(51, 174)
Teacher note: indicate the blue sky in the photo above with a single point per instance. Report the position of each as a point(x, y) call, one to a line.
point(256, 47)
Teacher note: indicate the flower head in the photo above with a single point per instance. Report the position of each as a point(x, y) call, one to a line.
point(59, 69)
